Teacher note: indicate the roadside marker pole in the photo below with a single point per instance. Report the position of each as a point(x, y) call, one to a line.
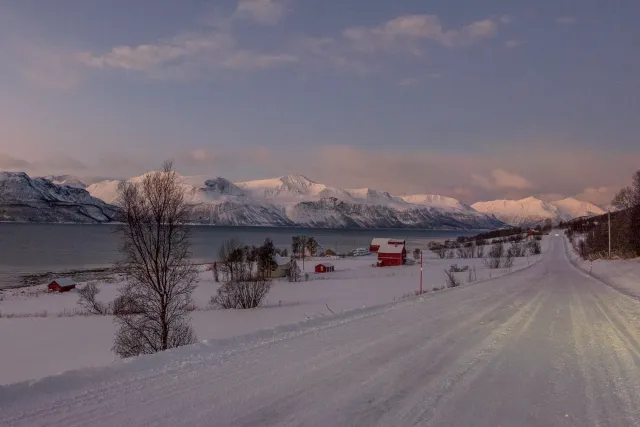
point(609, 215)
point(420, 271)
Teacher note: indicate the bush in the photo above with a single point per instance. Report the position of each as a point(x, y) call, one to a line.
point(517, 250)
point(455, 269)
point(451, 280)
point(242, 294)
point(494, 257)
point(534, 247)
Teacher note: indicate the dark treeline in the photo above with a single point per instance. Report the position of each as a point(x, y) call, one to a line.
point(504, 233)
point(590, 236)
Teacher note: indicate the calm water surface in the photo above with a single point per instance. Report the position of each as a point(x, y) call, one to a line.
point(27, 249)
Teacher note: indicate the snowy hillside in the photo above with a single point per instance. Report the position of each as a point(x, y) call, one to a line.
point(290, 189)
point(437, 201)
point(40, 200)
point(105, 190)
point(532, 211)
point(68, 180)
point(572, 208)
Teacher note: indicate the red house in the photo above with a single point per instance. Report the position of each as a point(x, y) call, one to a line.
point(64, 284)
point(392, 254)
point(325, 268)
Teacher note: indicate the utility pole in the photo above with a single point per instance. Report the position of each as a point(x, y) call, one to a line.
point(609, 216)
point(420, 271)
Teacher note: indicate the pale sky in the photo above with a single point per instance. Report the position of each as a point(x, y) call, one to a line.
point(470, 99)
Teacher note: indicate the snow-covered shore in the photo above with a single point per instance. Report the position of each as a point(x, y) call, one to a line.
point(46, 334)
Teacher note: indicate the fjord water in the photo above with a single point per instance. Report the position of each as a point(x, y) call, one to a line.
point(27, 249)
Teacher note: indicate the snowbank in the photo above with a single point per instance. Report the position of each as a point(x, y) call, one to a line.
point(621, 274)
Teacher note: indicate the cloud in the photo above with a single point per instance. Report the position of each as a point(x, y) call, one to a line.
point(566, 20)
point(62, 163)
point(267, 12)
point(599, 195)
point(501, 179)
point(512, 44)
point(186, 55)
point(405, 34)
point(8, 162)
point(505, 179)
point(245, 60)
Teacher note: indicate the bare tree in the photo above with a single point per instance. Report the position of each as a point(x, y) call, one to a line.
point(480, 251)
point(416, 254)
point(87, 299)
point(266, 258)
point(232, 259)
point(160, 279)
point(508, 260)
point(293, 274)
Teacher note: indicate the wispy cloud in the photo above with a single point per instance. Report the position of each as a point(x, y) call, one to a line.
point(566, 20)
point(186, 55)
point(501, 179)
point(406, 33)
point(267, 12)
point(8, 162)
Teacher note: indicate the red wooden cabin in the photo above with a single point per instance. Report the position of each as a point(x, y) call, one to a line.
point(64, 284)
point(325, 268)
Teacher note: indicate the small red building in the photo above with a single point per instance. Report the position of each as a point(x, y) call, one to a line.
point(325, 267)
point(392, 254)
point(64, 284)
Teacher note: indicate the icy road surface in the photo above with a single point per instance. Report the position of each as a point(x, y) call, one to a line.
point(547, 346)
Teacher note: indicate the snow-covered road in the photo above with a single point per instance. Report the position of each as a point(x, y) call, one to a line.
point(546, 346)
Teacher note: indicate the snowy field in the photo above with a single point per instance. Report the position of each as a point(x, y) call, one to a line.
point(622, 274)
point(47, 335)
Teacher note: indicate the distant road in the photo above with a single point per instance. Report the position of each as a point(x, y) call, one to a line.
point(547, 346)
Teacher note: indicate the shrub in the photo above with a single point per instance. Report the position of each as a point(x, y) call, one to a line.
point(242, 294)
point(455, 269)
point(534, 247)
point(494, 257)
point(451, 280)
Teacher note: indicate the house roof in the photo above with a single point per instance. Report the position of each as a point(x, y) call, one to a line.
point(378, 241)
point(390, 249)
point(382, 240)
point(64, 281)
point(326, 264)
point(280, 261)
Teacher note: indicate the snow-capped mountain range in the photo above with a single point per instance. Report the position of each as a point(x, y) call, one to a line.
point(531, 211)
point(292, 200)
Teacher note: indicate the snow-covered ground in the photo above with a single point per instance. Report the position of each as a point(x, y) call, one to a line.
point(622, 274)
point(48, 336)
